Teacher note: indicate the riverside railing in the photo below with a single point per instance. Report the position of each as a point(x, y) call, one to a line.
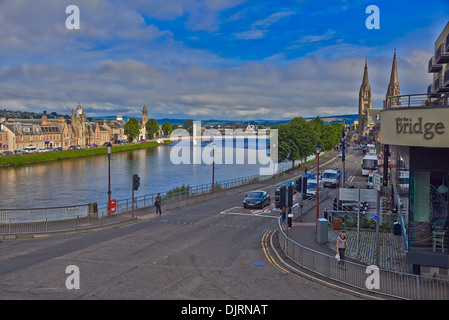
point(386, 282)
point(58, 219)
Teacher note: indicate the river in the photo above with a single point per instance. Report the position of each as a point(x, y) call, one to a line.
point(84, 180)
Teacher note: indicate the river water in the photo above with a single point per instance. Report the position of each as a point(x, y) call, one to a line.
point(84, 180)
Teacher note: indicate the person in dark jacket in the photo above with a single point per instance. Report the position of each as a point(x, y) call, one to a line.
point(157, 203)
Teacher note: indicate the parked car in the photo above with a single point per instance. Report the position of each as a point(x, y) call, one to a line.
point(257, 198)
point(72, 148)
point(7, 154)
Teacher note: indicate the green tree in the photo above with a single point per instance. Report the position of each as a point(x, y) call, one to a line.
point(188, 125)
point(167, 128)
point(152, 128)
point(296, 140)
point(132, 129)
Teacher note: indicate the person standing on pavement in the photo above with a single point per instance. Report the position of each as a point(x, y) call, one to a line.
point(157, 203)
point(283, 216)
point(342, 246)
point(290, 218)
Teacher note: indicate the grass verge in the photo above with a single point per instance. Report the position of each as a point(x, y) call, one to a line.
point(54, 156)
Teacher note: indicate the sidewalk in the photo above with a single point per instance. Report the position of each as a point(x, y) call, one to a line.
point(392, 255)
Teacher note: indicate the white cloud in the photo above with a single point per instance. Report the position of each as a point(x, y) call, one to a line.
point(260, 27)
point(306, 87)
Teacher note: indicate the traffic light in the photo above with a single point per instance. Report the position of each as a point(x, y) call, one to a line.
point(280, 199)
point(290, 196)
point(277, 199)
point(136, 182)
point(301, 184)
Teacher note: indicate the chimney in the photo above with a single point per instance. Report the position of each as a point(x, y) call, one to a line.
point(44, 120)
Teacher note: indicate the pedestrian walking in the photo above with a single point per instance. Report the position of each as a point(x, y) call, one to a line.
point(342, 246)
point(283, 216)
point(157, 203)
point(290, 218)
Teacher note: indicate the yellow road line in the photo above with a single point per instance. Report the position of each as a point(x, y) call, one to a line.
point(267, 252)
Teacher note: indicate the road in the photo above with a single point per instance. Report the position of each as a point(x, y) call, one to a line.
point(210, 251)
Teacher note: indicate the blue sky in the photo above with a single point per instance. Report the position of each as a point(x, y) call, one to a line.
point(215, 59)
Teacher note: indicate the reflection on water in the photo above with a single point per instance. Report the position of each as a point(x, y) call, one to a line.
point(84, 180)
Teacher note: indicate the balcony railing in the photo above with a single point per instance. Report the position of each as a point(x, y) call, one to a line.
point(446, 78)
point(439, 85)
point(433, 66)
point(441, 55)
point(431, 99)
point(431, 92)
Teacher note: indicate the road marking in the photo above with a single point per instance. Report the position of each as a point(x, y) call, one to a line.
point(267, 252)
point(264, 213)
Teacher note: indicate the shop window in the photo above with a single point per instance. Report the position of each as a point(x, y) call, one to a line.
point(429, 216)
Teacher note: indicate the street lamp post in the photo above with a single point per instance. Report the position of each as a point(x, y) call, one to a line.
point(109, 150)
point(213, 168)
point(318, 150)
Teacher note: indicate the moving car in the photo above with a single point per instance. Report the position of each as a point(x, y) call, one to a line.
point(257, 198)
point(331, 178)
point(287, 184)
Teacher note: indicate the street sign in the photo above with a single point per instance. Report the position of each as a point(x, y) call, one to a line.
point(349, 194)
point(377, 218)
point(352, 194)
point(377, 181)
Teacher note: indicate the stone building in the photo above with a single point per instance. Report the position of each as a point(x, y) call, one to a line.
point(78, 131)
point(365, 97)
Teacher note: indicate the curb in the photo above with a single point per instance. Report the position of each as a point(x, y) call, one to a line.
point(315, 279)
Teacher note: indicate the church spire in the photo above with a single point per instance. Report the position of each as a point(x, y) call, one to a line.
point(365, 74)
point(393, 87)
point(364, 100)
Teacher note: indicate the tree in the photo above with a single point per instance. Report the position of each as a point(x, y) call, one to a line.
point(167, 128)
point(188, 125)
point(152, 128)
point(296, 140)
point(132, 129)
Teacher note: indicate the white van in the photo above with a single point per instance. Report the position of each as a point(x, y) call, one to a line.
point(29, 149)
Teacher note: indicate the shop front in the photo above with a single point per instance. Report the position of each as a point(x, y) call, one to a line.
point(418, 138)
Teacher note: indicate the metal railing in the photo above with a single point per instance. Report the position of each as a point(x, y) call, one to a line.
point(390, 283)
point(58, 219)
point(431, 99)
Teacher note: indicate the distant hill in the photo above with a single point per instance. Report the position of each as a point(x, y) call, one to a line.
point(349, 118)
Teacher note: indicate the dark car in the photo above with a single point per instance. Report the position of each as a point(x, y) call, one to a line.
point(257, 199)
point(287, 184)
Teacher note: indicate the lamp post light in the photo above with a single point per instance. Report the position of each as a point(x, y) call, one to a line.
point(109, 150)
point(318, 151)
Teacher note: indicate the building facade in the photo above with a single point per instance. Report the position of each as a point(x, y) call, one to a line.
point(78, 131)
point(365, 96)
point(415, 133)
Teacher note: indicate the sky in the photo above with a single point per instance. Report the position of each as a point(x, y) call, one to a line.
point(211, 59)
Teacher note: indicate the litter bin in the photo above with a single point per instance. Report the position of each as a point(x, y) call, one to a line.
point(397, 230)
point(336, 224)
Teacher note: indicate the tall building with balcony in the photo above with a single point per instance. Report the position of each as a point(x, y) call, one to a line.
point(415, 128)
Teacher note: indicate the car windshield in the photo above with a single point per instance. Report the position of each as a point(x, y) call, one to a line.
point(328, 175)
point(255, 195)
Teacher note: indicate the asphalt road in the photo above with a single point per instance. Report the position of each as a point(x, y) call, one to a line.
point(210, 251)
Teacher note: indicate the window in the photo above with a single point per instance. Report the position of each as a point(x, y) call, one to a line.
point(429, 215)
